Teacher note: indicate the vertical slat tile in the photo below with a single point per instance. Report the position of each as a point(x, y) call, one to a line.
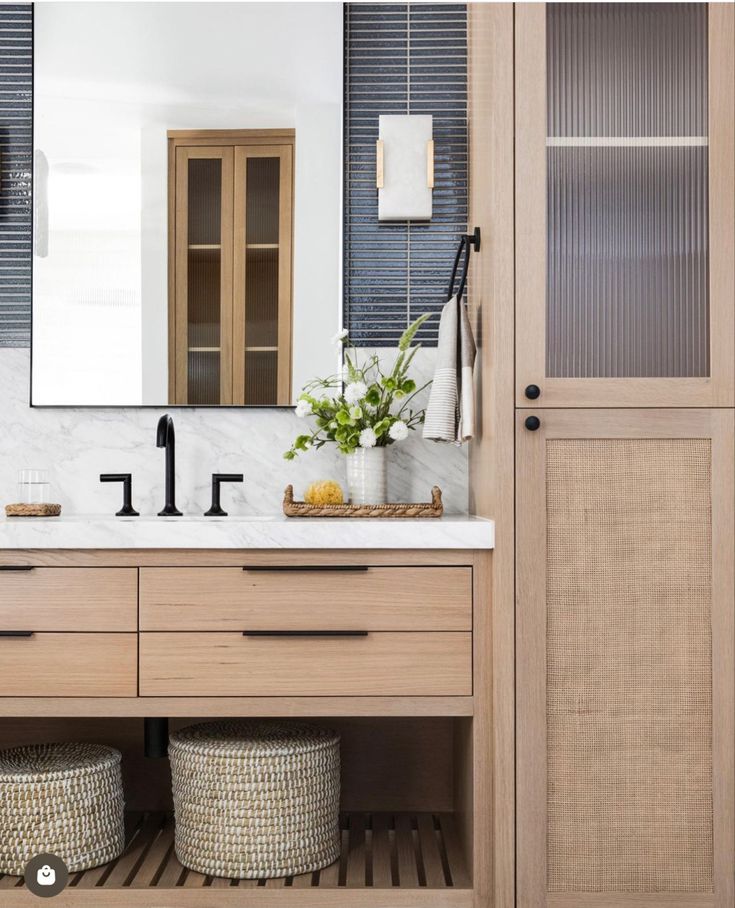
point(16, 104)
point(409, 58)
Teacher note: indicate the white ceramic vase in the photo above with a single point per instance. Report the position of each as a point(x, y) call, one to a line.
point(367, 481)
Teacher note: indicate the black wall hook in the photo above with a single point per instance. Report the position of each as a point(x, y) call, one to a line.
point(467, 242)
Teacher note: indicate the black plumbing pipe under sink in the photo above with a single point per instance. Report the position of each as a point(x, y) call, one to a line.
point(155, 737)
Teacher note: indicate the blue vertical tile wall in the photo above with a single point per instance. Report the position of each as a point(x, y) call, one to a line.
point(402, 58)
point(16, 106)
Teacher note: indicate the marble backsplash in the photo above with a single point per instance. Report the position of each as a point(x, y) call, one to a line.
point(76, 445)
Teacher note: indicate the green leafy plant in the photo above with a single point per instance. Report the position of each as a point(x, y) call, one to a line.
point(366, 407)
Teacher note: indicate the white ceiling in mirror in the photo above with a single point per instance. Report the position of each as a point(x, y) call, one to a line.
point(111, 79)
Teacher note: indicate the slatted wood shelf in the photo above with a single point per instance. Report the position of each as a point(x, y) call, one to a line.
point(388, 860)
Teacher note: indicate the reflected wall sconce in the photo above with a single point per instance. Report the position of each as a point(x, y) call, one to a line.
point(405, 167)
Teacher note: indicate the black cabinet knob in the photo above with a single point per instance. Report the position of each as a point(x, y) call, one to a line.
point(532, 423)
point(532, 392)
point(127, 510)
point(217, 478)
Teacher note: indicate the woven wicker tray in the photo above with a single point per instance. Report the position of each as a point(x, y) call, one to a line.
point(32, 510)
point(433, 508)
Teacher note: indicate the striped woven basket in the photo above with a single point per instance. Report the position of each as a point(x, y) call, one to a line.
point(65, 799)
point(255, 800)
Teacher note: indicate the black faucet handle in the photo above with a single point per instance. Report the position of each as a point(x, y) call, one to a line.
point(217, 478)
point(127, 510)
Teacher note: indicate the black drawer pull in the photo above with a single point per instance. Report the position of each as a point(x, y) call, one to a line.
point(263, 569)
point(304, 633)
point(16, 633)
point(16, 567)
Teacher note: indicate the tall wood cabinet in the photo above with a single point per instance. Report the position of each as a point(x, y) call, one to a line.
point(230, 263)
point(625, 680)
point(624, 395)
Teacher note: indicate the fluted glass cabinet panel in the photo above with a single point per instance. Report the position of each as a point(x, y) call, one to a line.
point(627, 262)
point(625, 671)
point(626, 69)
point(625, 203)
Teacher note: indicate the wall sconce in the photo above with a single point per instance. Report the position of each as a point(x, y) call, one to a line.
point(405, 167)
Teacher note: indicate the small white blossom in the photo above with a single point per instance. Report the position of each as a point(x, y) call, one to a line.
point(355, 391)
point(398, 431)
point(340, 337)
point(367, 438)
point(303, 408)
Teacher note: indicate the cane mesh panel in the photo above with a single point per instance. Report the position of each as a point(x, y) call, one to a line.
point(629, 707)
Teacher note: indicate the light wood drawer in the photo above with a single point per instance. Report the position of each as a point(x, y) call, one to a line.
point(69, 665)
point(69, 599)
point(376, 599)
point(232, 664)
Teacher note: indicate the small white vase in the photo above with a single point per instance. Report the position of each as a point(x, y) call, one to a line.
point(366, 476)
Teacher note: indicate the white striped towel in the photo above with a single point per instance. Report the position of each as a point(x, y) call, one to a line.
point(450, 414)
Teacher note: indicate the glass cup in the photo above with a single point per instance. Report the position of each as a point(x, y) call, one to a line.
point(33, 487)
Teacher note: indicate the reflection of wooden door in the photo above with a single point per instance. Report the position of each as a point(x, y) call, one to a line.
point(230, 267)
point(202, 310)
point(625, 737)
point(625, 206)
point(262, 280)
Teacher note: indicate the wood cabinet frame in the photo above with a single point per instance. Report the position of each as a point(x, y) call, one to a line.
point(285, 232)
point(233, 148)
point(178, 304)
point(716, 425)
point(530, 231)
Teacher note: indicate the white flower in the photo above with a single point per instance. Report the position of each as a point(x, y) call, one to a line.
point(367, 438)
point(355, 391)
point(398, 431)
point(340, 337)
point(303, 408)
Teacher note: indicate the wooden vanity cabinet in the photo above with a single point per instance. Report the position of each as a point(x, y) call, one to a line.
point(230, 266)
point(390, 647)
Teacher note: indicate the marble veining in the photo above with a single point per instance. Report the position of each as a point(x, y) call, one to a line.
point(76, 445)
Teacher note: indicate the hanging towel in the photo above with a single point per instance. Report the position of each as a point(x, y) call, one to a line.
point(450, 414)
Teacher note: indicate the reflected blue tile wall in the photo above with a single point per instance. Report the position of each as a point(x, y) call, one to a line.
point(399, 58)
point(402, 58)
point(16, 105)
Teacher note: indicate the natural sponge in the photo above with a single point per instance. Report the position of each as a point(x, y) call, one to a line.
point(325, 491)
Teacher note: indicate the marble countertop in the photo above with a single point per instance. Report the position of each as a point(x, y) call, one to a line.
point(257, 532)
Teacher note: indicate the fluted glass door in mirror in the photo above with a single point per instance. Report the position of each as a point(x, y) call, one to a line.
point(188, 160)
point(625, 192)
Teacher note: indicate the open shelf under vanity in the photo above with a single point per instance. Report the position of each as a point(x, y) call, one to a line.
point(405, 823)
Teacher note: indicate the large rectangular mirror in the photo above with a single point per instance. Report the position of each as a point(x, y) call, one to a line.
point(187, 201)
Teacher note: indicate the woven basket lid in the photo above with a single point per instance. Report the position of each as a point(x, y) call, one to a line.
point(39, 762)
point(236, 737)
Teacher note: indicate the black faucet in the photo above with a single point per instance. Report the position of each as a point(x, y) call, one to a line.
point(166, 438)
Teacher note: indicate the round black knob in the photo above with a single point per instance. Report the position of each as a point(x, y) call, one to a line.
point(532, 423)
point(532, 392)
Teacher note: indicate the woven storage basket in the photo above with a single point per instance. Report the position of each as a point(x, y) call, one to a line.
point(257, 799)
point(65, 799)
